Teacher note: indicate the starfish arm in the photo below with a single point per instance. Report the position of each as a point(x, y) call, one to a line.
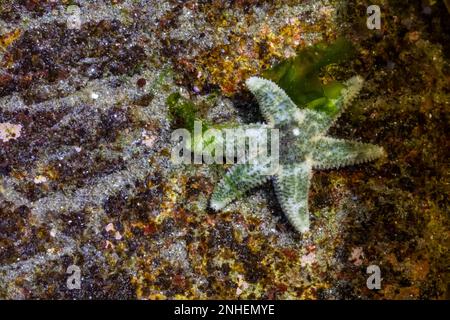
point(328, 153)
point(238, 180)
point(292, 186)
point(274, 103)
point(348, 94)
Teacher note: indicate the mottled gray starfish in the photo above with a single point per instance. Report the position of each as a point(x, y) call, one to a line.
point(303, 147)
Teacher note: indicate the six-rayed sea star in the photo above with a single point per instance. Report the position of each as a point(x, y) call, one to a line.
point(303, 146)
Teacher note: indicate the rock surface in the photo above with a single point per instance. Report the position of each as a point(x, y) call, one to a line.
point(85, 171)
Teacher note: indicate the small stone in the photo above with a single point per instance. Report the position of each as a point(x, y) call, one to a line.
point(141, 82)
point(308, 259)
point(357, 256)
point(148, 140)
point(40, 179)
point(110, 227)
point(109, 244)
point(9, 131)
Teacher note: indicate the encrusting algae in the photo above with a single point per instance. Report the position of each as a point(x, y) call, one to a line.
point(88, 181)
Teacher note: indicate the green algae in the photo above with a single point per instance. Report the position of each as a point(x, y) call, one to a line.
point(299, 76)
point(182, 112)
point(185, 114)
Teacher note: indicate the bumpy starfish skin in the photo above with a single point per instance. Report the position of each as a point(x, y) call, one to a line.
point(303, 147)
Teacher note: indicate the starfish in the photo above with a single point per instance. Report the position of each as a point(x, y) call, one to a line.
point(303, 147)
